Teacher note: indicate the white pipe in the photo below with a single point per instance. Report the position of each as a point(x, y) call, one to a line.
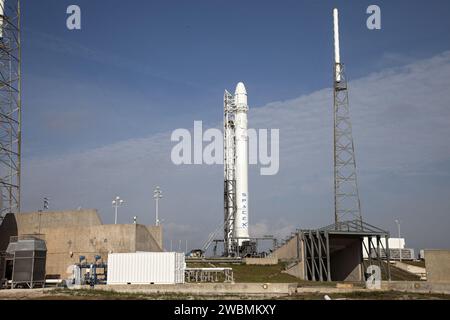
point(337, 55)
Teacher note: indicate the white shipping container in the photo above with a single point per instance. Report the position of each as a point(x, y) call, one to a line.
point(146, 268)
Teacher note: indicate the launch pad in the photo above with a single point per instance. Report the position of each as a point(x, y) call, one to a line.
point(248, 249)
point(333, 250)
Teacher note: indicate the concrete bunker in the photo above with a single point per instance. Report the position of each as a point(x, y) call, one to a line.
point(74, 233)
point(335, 252)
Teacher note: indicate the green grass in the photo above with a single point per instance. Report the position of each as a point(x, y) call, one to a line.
point(87, 294)
point(273, 273)
point(376, 295)
point(253, 273)
point(420, 263)
point(396, 273)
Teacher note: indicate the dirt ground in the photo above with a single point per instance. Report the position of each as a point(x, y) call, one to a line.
point(86, 294)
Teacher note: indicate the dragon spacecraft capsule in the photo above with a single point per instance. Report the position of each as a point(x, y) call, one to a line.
point(241, 219)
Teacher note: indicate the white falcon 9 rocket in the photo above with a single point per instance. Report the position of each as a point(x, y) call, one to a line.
point(236, 220)
point(241, 220)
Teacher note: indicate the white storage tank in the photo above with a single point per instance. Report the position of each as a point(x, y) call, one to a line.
point(146, 268)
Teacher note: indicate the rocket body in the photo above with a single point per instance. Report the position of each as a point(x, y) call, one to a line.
point(241, 221)
point(236, 215)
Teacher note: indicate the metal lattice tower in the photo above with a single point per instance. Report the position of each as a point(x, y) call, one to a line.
point(347, 205)
point(346, 194)
point(10, 106)
point(229, 172)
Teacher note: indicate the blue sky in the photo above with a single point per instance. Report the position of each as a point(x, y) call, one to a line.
point(139, 69)
point(147, 66)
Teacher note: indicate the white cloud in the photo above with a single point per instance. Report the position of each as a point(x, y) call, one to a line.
point(401, 122)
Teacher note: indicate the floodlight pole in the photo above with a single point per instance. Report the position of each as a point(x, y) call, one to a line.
point(116, 203)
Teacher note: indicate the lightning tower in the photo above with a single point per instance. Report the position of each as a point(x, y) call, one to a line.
point(347, 204)
point(10, 106)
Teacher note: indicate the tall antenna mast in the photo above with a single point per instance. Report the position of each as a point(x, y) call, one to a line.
point(10, 106)
point(347, 205)
point(337, 54)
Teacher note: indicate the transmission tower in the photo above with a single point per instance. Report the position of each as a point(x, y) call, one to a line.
point(347, 205)
point(10, 106)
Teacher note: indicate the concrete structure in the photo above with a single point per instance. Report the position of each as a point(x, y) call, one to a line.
point(416, 270)
point(417, 286)
point(345, 258)
point(437, 265)
point(290, 250)
point(69, 234)
point(333, 253)
point(239, 290)
point(296, 269)
point(214, 289)
point(273, 289)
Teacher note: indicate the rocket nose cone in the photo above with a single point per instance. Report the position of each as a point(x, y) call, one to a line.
point(240, 89)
